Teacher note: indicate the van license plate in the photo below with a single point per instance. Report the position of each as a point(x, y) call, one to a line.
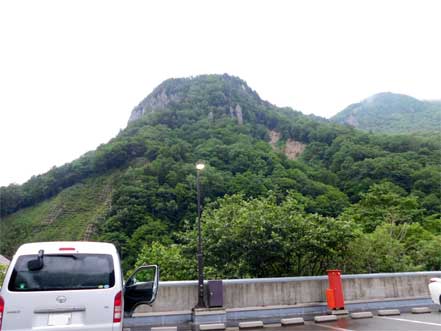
point(59, 319)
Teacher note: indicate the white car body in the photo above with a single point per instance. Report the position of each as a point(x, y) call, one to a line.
point(435, 290)
point(77, 286)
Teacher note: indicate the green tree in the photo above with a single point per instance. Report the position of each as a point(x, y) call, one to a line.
point(174, 265)
point(429, 254)
point(379, 251)
point(2, 274)
point(262, 238)
point(384, 203)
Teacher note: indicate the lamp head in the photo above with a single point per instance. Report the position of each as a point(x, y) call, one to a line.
point(200, 166)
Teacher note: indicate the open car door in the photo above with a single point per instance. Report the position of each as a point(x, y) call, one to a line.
point(141, 288)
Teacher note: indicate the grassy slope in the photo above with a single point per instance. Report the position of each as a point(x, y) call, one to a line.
point(70, 215)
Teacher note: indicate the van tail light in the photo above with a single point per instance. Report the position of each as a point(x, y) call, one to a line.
point(2, 309)
point(117, 308)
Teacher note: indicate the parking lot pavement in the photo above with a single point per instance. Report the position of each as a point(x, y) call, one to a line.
point(404, 322)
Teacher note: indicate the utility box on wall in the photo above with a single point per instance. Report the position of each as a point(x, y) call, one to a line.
point(215, 293)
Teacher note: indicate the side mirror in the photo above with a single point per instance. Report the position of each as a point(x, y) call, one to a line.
point(141, 288)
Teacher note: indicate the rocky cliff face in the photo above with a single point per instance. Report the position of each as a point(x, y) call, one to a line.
point(291, 148)
point(158, 99)
point(236, 113)
point(226, 95)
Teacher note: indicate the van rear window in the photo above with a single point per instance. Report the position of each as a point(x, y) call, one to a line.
point(62, 272)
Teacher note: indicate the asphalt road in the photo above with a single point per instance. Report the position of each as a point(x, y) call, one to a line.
point(403, 322)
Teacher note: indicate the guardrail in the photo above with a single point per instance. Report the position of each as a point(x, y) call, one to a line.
point(261, 292)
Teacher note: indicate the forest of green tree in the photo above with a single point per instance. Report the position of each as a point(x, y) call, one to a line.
point(392, 113)
point(353, 200)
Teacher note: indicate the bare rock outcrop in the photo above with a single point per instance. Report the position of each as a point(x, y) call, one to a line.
point(236, 113)
point(153, 102)
point(352, 120)
point(292, 149)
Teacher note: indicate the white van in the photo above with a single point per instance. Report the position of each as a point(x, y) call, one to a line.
point(71, 286)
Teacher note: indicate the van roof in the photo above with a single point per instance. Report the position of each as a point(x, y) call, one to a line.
point(57, 247)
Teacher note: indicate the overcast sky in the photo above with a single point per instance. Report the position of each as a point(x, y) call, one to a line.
point(72, 71)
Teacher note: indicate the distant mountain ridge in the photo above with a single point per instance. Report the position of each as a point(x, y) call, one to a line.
point(392, 113)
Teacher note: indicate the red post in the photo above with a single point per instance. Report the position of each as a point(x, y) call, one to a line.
point(334, 293)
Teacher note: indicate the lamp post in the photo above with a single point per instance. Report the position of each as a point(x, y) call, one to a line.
point(201, 299)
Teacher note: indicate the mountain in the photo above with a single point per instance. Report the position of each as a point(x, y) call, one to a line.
point(326, 180)
point(224, 92)
point(392, 113)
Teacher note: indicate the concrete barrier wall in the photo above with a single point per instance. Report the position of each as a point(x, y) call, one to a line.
point(241, 293)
